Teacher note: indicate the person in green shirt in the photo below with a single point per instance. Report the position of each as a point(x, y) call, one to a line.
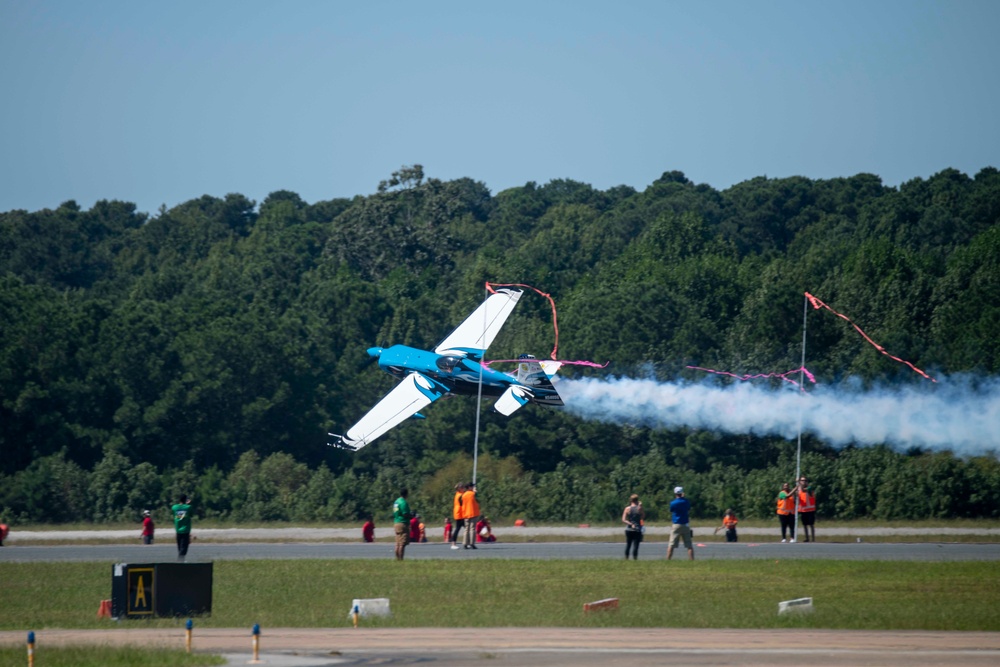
point(182, 525)
point(401, 516)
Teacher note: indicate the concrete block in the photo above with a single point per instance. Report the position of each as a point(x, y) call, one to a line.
point(601, 605)
point(798, 606)
point(370, 607)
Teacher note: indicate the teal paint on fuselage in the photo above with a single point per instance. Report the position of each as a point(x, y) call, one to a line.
point(461, 375)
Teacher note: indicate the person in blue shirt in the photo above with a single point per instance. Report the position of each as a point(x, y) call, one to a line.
point(680, 511)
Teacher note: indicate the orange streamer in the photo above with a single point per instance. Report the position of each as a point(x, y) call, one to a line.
point(555, 322)
point(817, 304)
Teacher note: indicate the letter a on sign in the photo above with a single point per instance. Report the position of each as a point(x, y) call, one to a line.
point(140, 594)
point(140, 589)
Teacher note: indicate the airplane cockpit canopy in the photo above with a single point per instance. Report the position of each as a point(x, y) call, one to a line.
point(447, 364)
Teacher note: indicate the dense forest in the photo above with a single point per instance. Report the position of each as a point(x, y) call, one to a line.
point(209, 348)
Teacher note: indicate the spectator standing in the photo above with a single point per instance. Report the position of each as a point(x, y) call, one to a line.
point(401, 523)
point(807, 508)
point(447, 529)
point(4, 530)
point(470, 514)
point(456, 512)
point(680, 513)
point(147, 527)
point(368, 530)
point(633, 517)
point(182, 525)
point(786, 512)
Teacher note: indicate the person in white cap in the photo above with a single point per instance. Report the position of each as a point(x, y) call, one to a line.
point(680, 511)
point(147, 527)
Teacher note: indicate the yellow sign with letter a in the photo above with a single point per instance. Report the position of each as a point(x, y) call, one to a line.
point(141, 593)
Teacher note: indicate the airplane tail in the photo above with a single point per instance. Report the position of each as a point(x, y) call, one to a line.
point(535, 379)
point(531, 373)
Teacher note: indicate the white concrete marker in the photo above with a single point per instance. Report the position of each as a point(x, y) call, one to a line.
point(370, 607)
point(799, 605)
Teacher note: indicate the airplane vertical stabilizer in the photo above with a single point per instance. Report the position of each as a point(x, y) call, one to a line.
point(531, 374)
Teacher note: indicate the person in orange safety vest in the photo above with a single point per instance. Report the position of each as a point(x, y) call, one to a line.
point(457, 514)
point(470, 513)
point(807, 508)
point(786, 512)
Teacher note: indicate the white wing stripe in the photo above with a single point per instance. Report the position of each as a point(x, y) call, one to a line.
point(399, 404)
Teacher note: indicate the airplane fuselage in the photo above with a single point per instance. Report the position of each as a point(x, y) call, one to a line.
point(460, 374)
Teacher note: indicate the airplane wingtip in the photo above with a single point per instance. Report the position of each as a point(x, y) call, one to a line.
point(340, 443)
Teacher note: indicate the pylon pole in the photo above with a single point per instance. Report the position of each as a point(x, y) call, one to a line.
point(802, 391)
point(479, 398)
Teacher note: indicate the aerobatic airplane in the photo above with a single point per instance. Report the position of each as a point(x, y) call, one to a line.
point(454, 367)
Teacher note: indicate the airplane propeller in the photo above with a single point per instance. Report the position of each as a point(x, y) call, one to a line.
point(373, 355)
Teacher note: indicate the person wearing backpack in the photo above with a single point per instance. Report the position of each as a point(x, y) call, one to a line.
point(634, 518)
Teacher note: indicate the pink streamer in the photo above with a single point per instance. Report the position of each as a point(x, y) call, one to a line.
point(817, 304)
point(758, 376)
point(592, 364)
point(555, 328)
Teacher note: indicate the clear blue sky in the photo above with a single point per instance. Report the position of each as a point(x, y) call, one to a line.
point(161, 102)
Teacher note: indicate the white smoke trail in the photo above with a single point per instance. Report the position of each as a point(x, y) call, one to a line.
point(949, 415)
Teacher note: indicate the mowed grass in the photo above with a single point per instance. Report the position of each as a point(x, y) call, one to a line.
point(525, 593)
point(107, 656)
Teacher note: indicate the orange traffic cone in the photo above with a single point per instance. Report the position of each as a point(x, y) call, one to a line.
point(105, 609)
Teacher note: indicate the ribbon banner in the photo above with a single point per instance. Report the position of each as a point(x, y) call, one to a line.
point(758, 376)
point(555, 328)
point(817, 304)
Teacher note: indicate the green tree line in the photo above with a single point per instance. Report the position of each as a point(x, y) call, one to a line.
point(161, 351)
point(861, 483)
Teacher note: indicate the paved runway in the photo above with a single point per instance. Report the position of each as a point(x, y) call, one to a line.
point(650, 550)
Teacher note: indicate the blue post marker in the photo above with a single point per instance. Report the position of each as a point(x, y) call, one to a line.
point(187, 642)
point(256, 643)
point(31, 649)
point(356, 614)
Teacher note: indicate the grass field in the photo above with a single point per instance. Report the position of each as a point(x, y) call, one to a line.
point(107, 656)
point(497, 593)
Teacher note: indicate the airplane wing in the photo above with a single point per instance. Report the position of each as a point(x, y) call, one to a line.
point(414, 393)
point(482, 326)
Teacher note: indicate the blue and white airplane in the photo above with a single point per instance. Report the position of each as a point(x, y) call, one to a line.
point(454, 367)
